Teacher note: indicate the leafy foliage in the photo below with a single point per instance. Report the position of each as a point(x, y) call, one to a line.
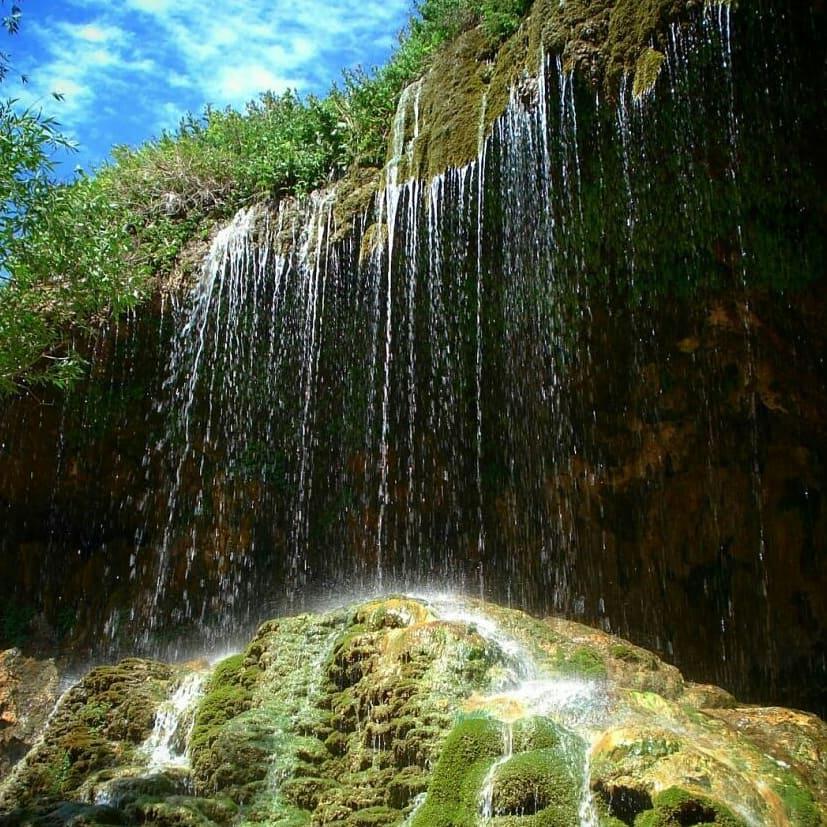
point(27, 140)
point(74, 265)
point(77, 252)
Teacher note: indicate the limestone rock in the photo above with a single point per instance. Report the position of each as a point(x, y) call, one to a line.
point(429, 713)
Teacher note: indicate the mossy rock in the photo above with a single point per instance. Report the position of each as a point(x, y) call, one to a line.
point(621, 801)
point(181, 811)
point(391, 613)
point(676, 806)
point(533, 782)
point(373, 817)
point(536, 733)
point(236, 762)
point(451, 106)
point(583, 662)
point(96, 727)
point(305, 793)
point(354, 195)
point(352, 717)
point(467, 754)
point(74, 813)
point(647, 71)
point(798, 802)
point(121, 791)
point(215, 747)
point(405, 786)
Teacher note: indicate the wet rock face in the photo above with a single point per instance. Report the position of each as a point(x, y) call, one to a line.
point(28, 692)
point(431, 714)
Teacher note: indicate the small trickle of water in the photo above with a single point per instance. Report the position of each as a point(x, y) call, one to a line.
point(487, 794)
point(417, 804)
point(165, 747)
point(587, 810)
point(454, 610)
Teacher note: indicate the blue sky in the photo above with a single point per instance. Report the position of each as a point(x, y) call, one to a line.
point(129, 69)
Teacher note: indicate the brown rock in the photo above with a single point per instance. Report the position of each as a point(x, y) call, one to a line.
point(28, 693)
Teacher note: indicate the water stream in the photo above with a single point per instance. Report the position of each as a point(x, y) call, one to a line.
point(167, 744)
point(486, 807)
point(577, 704)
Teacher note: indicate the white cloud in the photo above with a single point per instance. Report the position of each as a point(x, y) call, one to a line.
point(94, 33)
point(246, 81)
point(101, 57)
point(144, 58)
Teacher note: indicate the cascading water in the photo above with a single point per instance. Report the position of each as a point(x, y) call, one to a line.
point(167, 745)
point(427, 282)
point(549, 376)
point(576, 704)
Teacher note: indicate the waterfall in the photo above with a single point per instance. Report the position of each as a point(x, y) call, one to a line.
point(167, 745)
point(480, 272)
point(549, 376)
point(589, 816)
point(389, 210)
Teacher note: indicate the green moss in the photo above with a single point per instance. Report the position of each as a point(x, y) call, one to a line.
point(55, 775)
point(610, 821)
point(532, 783)
point(305, 793)
point(373, 817)
point(228, 670)
point(355, 647)
point(230, 687)
point(451, 106)
point(676, 806)
point(181, 811)
point(798, 802)
point(405, 786)
point(94, 714)
point(647, 71)
point(354, 195)
point(536, 733)
point(649, 749)
point(373, 239)
point(467, 754)
point(614, 772)
point(631, 654)
point(582, 663)
point(227, 757)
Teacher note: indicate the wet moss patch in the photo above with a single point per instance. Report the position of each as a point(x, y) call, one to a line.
point(467, 755)
point(676, 806)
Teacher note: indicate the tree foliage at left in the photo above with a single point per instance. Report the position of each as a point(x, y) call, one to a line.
point(51, 259)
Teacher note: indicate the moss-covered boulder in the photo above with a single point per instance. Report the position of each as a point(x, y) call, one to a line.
point(97, 727)
point(427, 713)
point(540, 782)
point(677, 806)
